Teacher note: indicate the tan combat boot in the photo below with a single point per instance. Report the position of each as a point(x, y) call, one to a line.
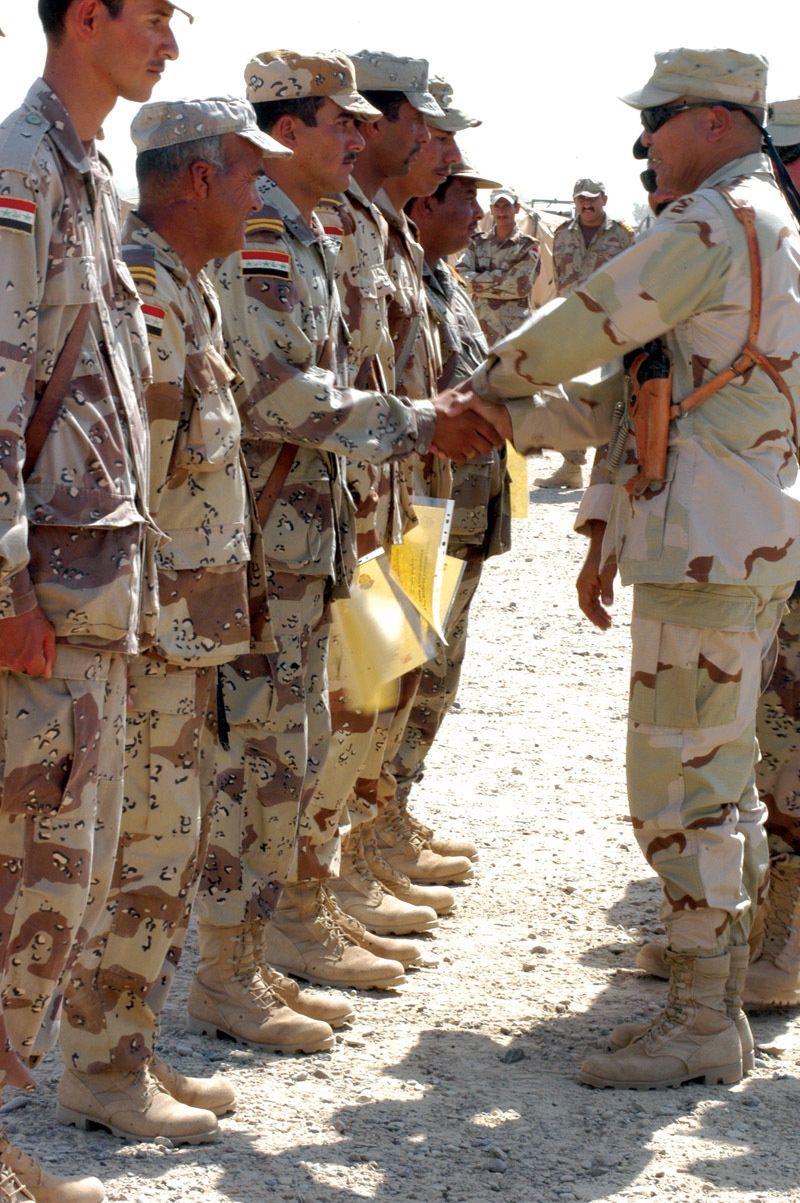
point(566, 476)
point(692, 1039)
point(303, 939)
point(361, 895)
point(408, 852)
point(439, 898)
point(445, 846)
point(22, 1178)
point(230, 995)
point(774, 979)
point(625, 1033)
point(405, 951)
point(134, 1106)
point(213, 1094)
point(335, 1009)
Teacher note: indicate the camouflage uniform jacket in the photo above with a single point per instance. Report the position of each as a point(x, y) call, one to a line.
point(72, 536)
point(725, 513)
point(500, 274)
point(284, 331)
point(481, 487)
point(198, 493)
point(415, 340)
point(574, 261)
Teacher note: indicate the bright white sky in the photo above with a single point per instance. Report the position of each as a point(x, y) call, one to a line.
point(546, 90)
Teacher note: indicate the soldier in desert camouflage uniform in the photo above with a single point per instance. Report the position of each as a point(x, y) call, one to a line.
point(580, 247)
point(481, 525)
point(500, 268)
point(197, 166)
point(283, 328)
point(73, 597)
point(711, 571)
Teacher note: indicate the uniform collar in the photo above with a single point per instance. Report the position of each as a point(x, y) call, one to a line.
point(43, 106)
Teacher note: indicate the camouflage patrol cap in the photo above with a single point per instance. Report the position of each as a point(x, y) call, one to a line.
point(463, 170)
point(724, 75)
point(784, 122)
point(501, 193)
point(287, 75)
point(171, 122)
point(379, 71)
point(454, 120)
point(586, 187)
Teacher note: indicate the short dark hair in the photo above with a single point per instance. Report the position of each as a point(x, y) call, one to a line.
point(305, 108)
point(164, 164)
point(388, 102)
point(53, 12)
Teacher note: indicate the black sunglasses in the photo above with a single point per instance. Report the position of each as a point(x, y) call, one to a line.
point(660, 114)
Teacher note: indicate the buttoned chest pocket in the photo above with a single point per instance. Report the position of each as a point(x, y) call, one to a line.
point(71, 280)
point(209, 434)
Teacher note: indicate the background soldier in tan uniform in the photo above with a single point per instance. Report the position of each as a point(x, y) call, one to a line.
point(711, 570)
point(500, 268)
point(70, 609)
point(580, 247)
point(197, 166)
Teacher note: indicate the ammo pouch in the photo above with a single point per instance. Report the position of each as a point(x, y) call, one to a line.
point(649, 373)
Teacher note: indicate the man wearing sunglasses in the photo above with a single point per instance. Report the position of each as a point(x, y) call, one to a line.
point(710, 545)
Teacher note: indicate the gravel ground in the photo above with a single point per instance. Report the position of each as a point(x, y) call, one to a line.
point(460, 1086)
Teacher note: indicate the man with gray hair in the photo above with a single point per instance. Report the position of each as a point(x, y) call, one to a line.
point(197, 165)
point(702, 520)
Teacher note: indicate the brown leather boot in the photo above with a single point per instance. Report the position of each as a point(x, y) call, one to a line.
point(405, 951)
point(406, 850)
point(335, 1009)
point(439, 898)
point(230, 995)
point(303, 939)
point(774, 979)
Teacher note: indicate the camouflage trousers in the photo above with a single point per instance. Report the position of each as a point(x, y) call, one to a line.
point(119, 983)
point(376, 785)
point(700, 654)
point(62, 746)
point(280, 730)
point(438, 684)
point(778, 731)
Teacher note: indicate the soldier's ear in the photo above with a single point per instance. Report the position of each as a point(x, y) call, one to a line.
point(200, 174)
point(285, 130)
point(82, 18)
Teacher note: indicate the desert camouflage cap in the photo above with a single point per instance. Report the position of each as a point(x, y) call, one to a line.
point(454, 120)
point(171, 122)
point(288, 75)
point(784, 122)
point(586, 187)
point(463, 170)
point(501, 193)
point(379, 71)
point(726, 75)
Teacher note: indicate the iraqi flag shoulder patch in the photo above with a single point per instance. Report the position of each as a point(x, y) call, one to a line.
point(17, 214)
point(267, 261)
point(153, 318)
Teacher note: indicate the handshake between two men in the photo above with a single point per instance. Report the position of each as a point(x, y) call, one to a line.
point(468, 426)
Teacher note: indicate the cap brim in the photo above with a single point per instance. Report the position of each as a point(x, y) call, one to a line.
point(272, 149)
point(454, 122)
point(425, 103)
point(591, 195)
point(356, 105)
point(784, 135)
point(648, 96)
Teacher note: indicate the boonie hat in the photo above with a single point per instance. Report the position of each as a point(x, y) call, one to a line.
point(454, 120)
point(725, 75)
point(379, 71)
point(170, 122)
point(588, 187)
point(784, 122)
point(287, 75)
